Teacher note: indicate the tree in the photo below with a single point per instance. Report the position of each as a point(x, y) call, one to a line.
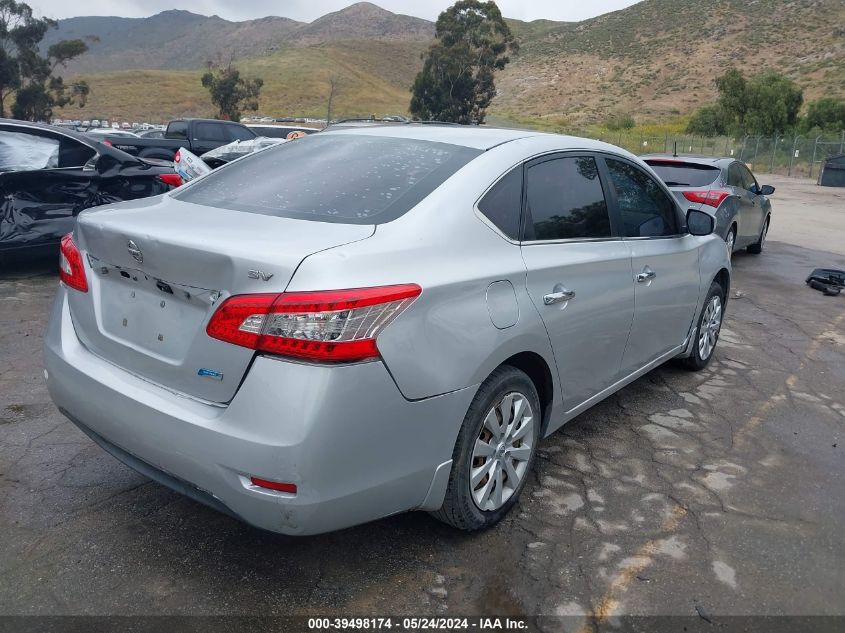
point(709, 121)
point(229, 92)
point(773, 103)
point(733, 101)
point(827, 114)
point(25, 72)
point(767, 104)
point(456, 83)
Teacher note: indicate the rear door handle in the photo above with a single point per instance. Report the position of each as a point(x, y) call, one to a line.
point(558, 296)
point(647, 275)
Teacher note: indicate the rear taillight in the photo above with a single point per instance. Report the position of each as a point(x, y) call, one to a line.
point(174, 180)
point(712, 198)
point(333, 326)
point(71, 270)
point(107, 142)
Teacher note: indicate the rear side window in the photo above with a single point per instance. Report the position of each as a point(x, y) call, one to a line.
point(676, 174)
point(502, 204)
point(177, 130)
point(211, 132)
point(734, 177)
point(239, 133)
point(352, 179)
point(565, 200)
point(646, 210)
point(74, 154)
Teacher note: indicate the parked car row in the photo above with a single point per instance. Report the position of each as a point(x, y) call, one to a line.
point(241, 340)
point(195, 135)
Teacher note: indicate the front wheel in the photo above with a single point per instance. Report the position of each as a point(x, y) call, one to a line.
point(709, 327)
point(494, 451)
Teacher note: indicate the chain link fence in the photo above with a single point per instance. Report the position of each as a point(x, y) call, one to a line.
point(798, 156)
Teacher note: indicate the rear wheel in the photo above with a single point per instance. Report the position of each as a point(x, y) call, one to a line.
point(494, 451)
point(709, 327)
point(730, 240)
point(757, 248)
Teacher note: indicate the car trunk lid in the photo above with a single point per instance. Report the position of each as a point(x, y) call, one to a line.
point(158, 269)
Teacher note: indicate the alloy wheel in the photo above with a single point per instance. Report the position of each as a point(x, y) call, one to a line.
point(711, 322)
point(502, 452)
point(730, 240)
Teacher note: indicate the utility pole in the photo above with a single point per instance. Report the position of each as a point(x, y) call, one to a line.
point(333, 81)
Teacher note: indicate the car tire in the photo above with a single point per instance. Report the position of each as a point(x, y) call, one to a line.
point(730, 240)
point(757, 248)
point(472, 501)
point(709, 326)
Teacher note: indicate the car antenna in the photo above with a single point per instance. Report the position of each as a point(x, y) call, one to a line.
point(675, 151)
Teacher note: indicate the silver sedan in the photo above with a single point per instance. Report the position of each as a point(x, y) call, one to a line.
point(374, 320)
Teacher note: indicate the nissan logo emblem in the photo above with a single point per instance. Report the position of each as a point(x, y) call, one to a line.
point(136, 253)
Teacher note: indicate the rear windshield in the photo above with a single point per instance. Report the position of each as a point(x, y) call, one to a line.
point(332, 178)
point(684, 174)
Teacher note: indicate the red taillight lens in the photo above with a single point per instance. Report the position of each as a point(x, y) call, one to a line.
point(107, 142)
point(174, 180)
point(71, 270)
point(712, 198)
point(273, 485)
point(334, 326)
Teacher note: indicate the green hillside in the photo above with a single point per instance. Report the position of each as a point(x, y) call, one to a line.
point(656, 60)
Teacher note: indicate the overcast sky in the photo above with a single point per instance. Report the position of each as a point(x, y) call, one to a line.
point(308, 10)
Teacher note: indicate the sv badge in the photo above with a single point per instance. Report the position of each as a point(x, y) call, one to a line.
point(259, 274)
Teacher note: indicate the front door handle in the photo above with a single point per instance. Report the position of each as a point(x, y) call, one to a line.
point(558, 296)
point(647, 275)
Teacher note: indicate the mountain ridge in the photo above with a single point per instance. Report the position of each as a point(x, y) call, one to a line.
point(655, 59)
point(180, 39)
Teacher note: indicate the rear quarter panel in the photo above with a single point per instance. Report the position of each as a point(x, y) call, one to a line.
point(446, 340)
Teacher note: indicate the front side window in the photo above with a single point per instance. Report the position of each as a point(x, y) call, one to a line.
point(565, 200)
point(503, 203)
point(352, 179)
point(645, 209)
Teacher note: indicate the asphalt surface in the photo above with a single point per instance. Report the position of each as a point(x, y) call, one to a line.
point(721, 492)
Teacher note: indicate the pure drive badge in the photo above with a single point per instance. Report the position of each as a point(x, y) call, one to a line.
point(210, 373)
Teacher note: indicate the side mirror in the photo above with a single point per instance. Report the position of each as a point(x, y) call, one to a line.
point(700, 223)
point(766, 190)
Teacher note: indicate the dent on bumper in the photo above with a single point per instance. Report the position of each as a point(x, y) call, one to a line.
point(356, 449)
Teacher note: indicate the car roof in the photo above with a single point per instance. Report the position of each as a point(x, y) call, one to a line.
point(717, 161)
point(472, 136)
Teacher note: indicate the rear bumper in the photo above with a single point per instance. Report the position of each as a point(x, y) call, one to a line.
point(356, 449)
